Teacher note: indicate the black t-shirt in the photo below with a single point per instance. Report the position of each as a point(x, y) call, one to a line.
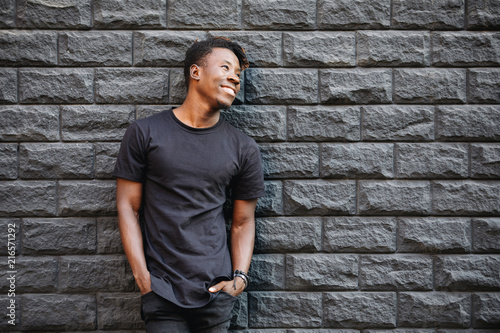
point(186, 173)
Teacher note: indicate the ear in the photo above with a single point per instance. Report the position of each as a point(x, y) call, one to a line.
point(194, 72)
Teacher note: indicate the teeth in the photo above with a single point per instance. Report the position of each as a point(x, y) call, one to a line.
point(228, 90)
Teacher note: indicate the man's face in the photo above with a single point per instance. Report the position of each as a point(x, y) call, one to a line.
point(219, 78)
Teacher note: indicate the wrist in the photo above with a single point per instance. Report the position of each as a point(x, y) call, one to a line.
point(242, 275)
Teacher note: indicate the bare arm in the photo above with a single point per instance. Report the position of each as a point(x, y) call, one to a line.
point(128, 202)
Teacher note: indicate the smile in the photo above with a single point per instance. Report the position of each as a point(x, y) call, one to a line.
point(229, 90)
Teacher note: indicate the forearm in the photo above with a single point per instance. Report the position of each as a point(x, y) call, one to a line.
point(242, 243)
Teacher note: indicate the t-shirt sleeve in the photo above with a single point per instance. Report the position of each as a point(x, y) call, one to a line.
point(249, 184)
point(132, 159)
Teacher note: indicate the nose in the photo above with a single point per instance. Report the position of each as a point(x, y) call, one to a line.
point(234, 78)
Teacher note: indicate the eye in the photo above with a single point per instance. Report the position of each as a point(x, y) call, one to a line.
point(226, 67)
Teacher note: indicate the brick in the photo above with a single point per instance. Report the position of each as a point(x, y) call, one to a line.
point(198, 14)
point(8, 85)
point(290, 309)
point(397, 122)
point(324, 123)
point(7, 11)
point(279, 14)
point(55, 160)
point(58, 312)
point(144, 111)
point(321, 271)
point(483, 14)
point(319, 197)
point(263, 48)
point(267, 272)
point(163, 48)
point(105, 158)
point(432, 160)
point(263, 123)
point(465, 48)
point(353, 15)
point(8, 160)
point(428, 14)
point(56, 85)
point(355, 86)
point(435, 309)
point(360, 310)
point(130, 14)
point(486, 235)
point(281, 86)
point(466, 198)
point(290, 160)
point(28, 48)
point(486, 313)
point(288, 234)
point(95, 122)
point(108, 236)
point(393, 48)
point(485, 160)
point(395, 272)
point(272, 203)
point(131, 85)
point(177, 89)
point(431, 234)
point(484, 85)
point(27, 198)
point(394, 197)
point(33, 123)
point(10, 239)
point(59, 236)
point(472, 272)
point(128, 317)
point(319, 49)
point(357, 160)
point(359, 234)
point(72, 14)
point(86, 198)
point(33, 275)
point(239, 319)
point(470, 123)
point(430, 85)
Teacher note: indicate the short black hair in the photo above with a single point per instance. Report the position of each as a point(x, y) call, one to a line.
point(199, 50)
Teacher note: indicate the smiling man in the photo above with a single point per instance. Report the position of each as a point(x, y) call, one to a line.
point(174, 172)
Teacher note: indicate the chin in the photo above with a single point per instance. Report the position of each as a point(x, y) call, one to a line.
point(224, 104)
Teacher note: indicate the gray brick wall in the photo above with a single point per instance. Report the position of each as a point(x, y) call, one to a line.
point(379, 125)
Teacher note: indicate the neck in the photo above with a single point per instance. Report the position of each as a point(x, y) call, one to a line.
point(196, 114)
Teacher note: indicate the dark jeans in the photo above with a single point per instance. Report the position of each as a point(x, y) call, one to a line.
point(163, 316)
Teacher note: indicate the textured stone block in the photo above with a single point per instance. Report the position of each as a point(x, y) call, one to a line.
point(108, 236)
point(263, 123)
point(8, 85)
point(177, 88)
point(58, 312)
point(471, 123)
point(398, 122)
point(239, 319)
point(129, 14)
point(59, 236)
point(435, 309)
point(28, 198)
point(72, 14)
point(359, 234)
point(466, 198)
point(472, 272)
point(465, 48)
point(430, 234)
point(428, 14)
point(8, 160)
point(483, 14)
point(486, 235)
point(394, 197)
point(353, 15)
point(84, 198)
point(56, 85)
point(275, 309)
point(319, 49)
point(393, 48)
point(267, 272)
point(485, 160)
point(105, 158)
point(198, 14)
point(290, 160)
point(7, 13)
point(288, 234)
point(279, 14)
point(319, 197)
point(486, 313)
point(28, 48)
point(95, 122)
point(11, 227)
point(430, 85)
point(144, 111)
point(395, 272)
point(322, 271)
point(357, 160)
point(281, 86)
point(31, 123)
point(432, 160)
point(56, 160)
point(484, 86)
point(272, 202)
point(127, 317)
point(355, 86)
point(360, 310)
point(33, 275)
point(131, 85)
point(323, 123)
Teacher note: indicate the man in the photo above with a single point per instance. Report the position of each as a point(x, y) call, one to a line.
point(173, 171)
